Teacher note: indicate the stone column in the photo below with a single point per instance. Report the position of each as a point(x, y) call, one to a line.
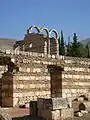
point(57, 47)
point(49, 46)
point(45, 48)
point(17, 50)
point(23, 47)
point(7, 90)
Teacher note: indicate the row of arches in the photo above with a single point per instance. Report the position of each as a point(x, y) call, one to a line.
point(48, 35)
point(39, 30)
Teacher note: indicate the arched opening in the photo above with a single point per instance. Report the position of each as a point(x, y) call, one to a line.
point(44, 31)
point(51, 31)
point(17, 48)
point(30, 45)
point(56, 43)
point(36, 29)
point(82, 106)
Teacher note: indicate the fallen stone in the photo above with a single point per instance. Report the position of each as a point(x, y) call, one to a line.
point(80, 99)
point(87, 105)
point(84, 111)
point(56, 114)
point(75, 105)
point(66, 113)
point(4, 116)
point(78, 114)
point(27, 105)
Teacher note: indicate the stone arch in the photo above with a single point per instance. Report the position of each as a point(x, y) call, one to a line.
point(17, 48)
point(31, 27)
point(45, 43)
point(55, 32)
point(46, 30)
point(56, 38)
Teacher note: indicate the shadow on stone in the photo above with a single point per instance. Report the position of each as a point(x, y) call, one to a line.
point(28, 117)
point(56, 80)
point(82, 106)
point(84, 97)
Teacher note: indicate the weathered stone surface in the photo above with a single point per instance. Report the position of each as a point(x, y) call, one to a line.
point(56, 114)
point(75, 105)
point(87, 105)
point(78, 114)
point(81, 99)
point(4, 115)
point(34, 75)
point(59, 103)
point(52, 104)
point(46, 114)
point(66, 113)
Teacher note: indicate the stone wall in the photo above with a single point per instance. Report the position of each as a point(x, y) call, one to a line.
point(32, 81)
point(2, 70)
point(54, 109)
point(76, 77)
point(45, 76)
point(35, 42)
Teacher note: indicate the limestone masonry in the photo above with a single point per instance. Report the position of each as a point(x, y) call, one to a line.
point(42, 73)
point(41, 76)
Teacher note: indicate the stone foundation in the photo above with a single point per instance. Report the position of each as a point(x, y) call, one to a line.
point(45, 76)
point(54, 109)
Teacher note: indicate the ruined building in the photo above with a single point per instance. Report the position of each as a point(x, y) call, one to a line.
point(34, 70)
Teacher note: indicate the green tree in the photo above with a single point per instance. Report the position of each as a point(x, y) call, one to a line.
point(88, 54)
point(59, 43)
point(62, 47)
point(77, 49)
point(82, 51)
point(69, 45)
point(75, 46)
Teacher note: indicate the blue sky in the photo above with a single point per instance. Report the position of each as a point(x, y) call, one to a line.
point(67, 15)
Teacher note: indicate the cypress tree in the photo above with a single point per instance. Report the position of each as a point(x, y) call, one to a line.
point(87, 47)
point(59, 43)
point(75, 50)
point(62, 47)
point(69, 47)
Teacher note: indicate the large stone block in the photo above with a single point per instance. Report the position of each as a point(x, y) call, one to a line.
point(75, 106)
point(81, 99)
point(7, 102)
point(87, 105)
point(15, 102)
point(66, 113)
point(40, 104)
point(49, 115)
point(56, 114)
point(4, 115)
point(52, 103)
point(46, 114)
point(59, 103)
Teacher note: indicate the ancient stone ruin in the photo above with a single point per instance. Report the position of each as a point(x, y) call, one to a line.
point(34, 71)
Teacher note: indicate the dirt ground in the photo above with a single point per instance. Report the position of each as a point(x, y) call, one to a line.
point(85, 117)
point(17, 112)
point(20, 114)
point(24, 114)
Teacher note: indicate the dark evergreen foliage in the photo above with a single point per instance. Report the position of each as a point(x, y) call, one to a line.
point(62, 47)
